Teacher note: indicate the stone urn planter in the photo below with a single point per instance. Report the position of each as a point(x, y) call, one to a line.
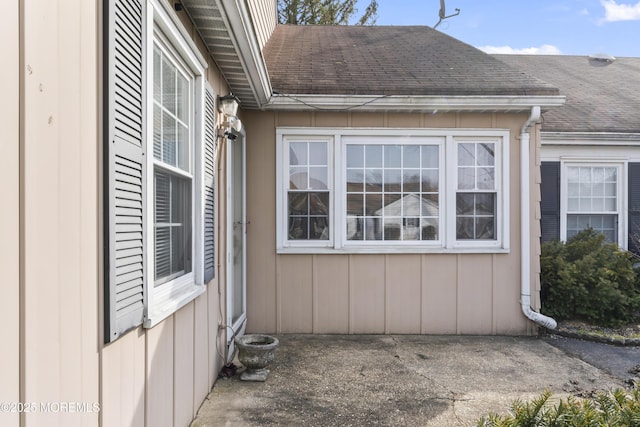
point(255, 351)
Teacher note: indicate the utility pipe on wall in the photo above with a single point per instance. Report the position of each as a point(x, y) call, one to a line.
point(525, 232)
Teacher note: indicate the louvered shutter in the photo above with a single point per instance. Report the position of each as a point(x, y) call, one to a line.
point(550, 201)
point(634, 208)
point(209, 183)
point(125, 168)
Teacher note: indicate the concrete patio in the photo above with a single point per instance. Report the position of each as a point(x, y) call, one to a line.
point(398, 380)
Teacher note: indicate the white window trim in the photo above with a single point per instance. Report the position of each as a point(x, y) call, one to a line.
point(448, 185)
point(621, 195)
point(171, 296)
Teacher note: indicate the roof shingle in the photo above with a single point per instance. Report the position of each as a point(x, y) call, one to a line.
point(388, 60)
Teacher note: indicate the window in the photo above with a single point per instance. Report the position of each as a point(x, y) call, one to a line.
point(360, 190)
point(592, 199)
point(175, 100)
point(159, 129)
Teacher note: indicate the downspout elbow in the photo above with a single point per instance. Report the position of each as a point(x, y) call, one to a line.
point(525, 233)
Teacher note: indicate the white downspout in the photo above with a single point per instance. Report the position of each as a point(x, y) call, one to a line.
point(525, 233)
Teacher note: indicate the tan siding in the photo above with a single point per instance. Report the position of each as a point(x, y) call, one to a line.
point(475, 294)
point(160, 375)
point(429, 293)
point(123, 381)
point(201, 355)
point(60, 249)
point(263, 14)
point(331, 290)
point(295, 294)
point(9, 214)
point(366, 299)
point(439, 294)
point(183, 373)
point(403, 278)
point(261, 187)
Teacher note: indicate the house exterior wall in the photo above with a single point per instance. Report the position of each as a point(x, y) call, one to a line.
point(54, 358)
point(448, 293)
point(264, 17)
point(10, 213)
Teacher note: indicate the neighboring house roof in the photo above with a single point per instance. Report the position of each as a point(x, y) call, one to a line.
point(388, 60)
point(601, 96)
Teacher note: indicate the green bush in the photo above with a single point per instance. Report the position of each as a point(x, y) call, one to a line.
point(588, 279)
point(614, 409)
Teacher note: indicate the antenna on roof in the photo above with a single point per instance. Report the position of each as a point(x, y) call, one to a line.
point(443, 14)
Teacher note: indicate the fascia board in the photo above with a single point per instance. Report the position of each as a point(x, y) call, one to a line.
point(427, 103)
point(589, 138)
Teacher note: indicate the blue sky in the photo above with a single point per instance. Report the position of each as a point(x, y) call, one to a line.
point(568, 27)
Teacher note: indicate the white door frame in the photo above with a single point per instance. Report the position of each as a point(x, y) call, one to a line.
point(236, 328)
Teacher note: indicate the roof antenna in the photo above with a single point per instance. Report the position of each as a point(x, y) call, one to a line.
point(443, 14)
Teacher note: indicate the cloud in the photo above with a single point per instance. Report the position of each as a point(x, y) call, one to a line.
point(545, 49)
point(620, 12)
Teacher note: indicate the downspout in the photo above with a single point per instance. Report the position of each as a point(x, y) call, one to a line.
point(525, 221)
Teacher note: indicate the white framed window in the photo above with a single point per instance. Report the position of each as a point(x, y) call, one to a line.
point(410, 190)
point(592, 196)
point(175, 107)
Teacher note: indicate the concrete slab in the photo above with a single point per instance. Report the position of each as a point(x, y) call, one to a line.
point(398, 380)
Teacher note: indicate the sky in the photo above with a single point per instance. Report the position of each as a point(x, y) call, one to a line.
point(562, 27)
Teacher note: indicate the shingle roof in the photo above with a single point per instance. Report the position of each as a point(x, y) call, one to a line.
point(387, 60)
point(600, 96)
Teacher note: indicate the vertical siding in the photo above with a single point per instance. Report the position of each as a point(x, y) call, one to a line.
point(264, 17)
point(378, 293)
point(9, 214)
point(59, 216)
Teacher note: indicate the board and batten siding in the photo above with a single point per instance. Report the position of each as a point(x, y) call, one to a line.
point(377, 293)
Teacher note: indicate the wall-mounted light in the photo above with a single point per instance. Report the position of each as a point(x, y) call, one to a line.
point(228, 106)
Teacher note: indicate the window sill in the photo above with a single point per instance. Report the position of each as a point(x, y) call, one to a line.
point(393, 250)
point(167, 304)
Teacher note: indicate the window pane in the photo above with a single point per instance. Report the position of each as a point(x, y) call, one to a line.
point(486, 179)
point(182, 98)
point(157, 74)
point(411, 180)
point(172, 222)
point(486, 154)
point(355, 156)
point(373, 204)
point(411, 156)
point(317, 153)
point(318, 178)
point(430, 157)
point(168, 85)
point(355, 204)
point(392, 156)
point(308, 215)
point(157, 132)
point(298, 153)
point(430, 180)
point(355, 180)
point(373, 180)
point(466, 178)
point(476, 216)
point(373, 156)
point(430, 206)
point(392, 229)
point(392, 180)
point(605, 224)
point(466, 154)
point(298, 178)
point(169, 143)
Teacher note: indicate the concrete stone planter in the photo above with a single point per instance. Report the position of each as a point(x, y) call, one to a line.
point(255, 351)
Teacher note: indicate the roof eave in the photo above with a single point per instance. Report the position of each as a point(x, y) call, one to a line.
point(242, 39)
point(408, 103)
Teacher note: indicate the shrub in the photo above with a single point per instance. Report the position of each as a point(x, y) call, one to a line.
point(588, 279)
point(614, 409)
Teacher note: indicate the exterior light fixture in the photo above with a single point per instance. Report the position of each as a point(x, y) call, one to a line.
point(229, 105)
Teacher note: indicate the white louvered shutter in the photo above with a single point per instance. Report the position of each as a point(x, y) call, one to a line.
point(125, 169)
point(209, 183)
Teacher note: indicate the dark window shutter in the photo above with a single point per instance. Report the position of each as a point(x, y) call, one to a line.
point(550, 201)
point(634, 208)
point(125, 169)
point(209, 183)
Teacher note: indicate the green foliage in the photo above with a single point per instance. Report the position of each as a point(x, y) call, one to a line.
point(324, 12)
point(613, 409)
point(588, 279)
